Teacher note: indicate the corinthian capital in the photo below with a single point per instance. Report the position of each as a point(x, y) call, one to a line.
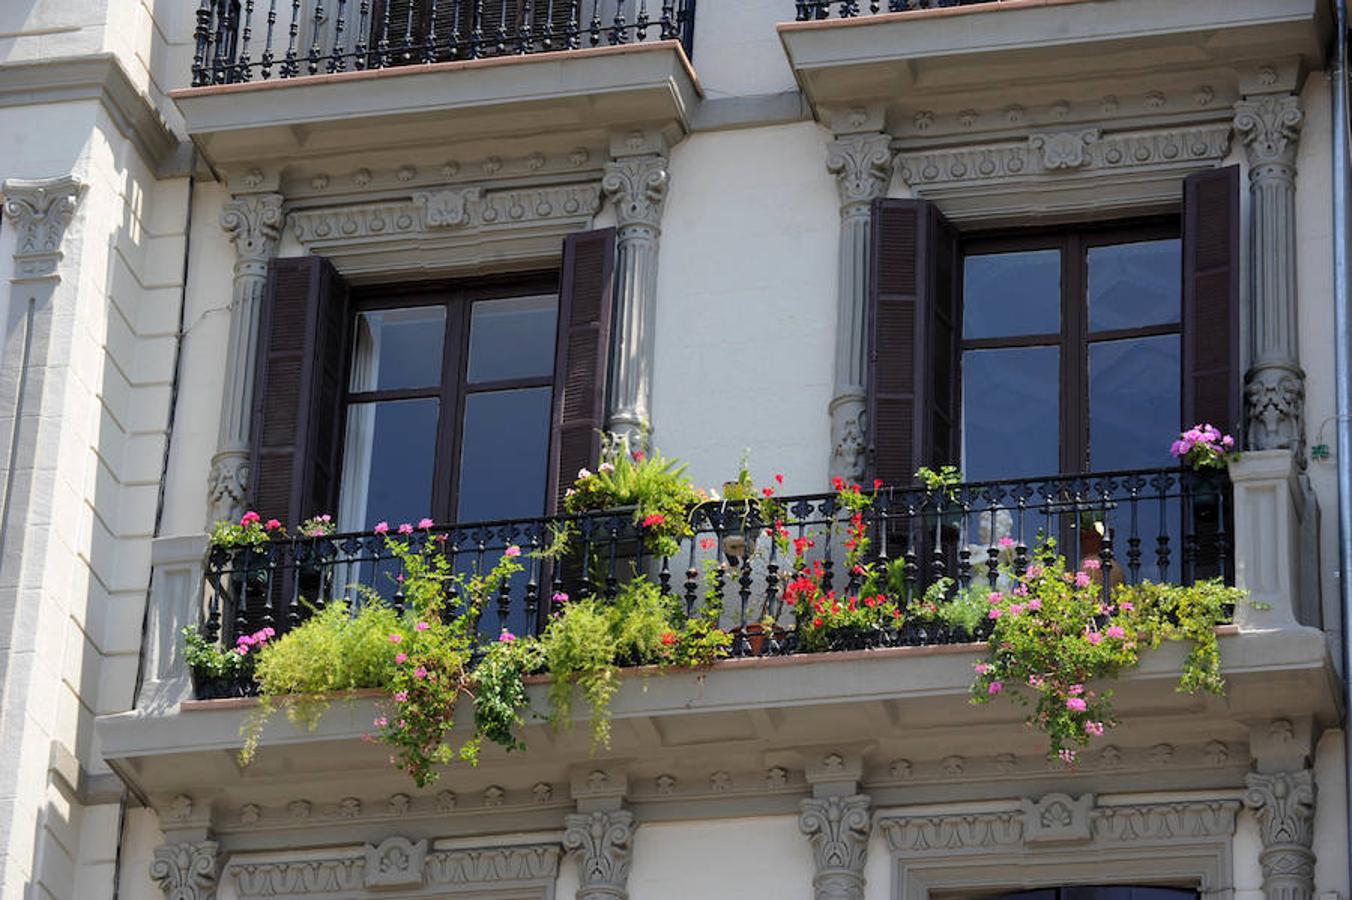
point(40, 210)
point(862, 164)
point(638, 187)
point(602, 842)
point(186, 871)
point(1270, 128)
point(1284, 805)
point(254, 222)
point(838, 828)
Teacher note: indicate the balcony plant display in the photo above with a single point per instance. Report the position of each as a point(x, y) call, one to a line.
point(941, 485)
point(1203, 446)
point(1054, 638)
point(218, 671)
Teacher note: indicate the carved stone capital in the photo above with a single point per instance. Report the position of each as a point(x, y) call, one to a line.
point(848, 442)
point(1284, 804)
point(1275, 403)
point(602, 842)
point(228, 485)
point(186, 871)
point(40, 210)
point(862, 164)
point(638, 187)
point(1270, 128)
point(254, 223)
point(839, 829)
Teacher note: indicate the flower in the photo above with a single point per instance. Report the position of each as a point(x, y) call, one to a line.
point(706, 543)
point(981, 668)
point(994, 597)
point(250, 518)
point(382, 528)
point(768, 491)
point(1006, 542)
point(1081, 579)
point(1035, 604)
point(272, 525)
point(405, 528)
point(637, 456)
point(583, 472)
point(1126, 606)
point(422, 626)
point(380, 722)
point(396, 638)
point(420, 672)
point(560, 597)
point(668, 638)
point(995, 613)
point(1016, 609)
point(512, 551)
point(1094, 728)
point(506, 637)
point(1075, 690)
point(653, 519)
point(1116, 631)
point(1076, 704)
point(1094, 638)
point(1034, 571)
point(1091, 564)
point(838, 483)
point(400, 658)
point(994, 688)
point(606, 467)
point(425, 523)
point(1068, 756)
point(779, 477)
point(877, 483)
point(400, 696)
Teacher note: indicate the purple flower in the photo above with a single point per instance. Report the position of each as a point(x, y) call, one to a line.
point(506, 637)
point(994, 688)
point(1076, 704)
point(422, 626)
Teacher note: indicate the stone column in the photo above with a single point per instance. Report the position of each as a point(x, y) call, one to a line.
point(254, 222)
point(602, 842)
point(1284, 804)
point(1274, 388)
point(636, 181)
point(862, 164)
point(838, 828)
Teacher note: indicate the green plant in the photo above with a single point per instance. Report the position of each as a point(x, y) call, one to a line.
point(945, 479)
point(251, 532)
point(500, 688)
point(208, 661)
point(1204, 447)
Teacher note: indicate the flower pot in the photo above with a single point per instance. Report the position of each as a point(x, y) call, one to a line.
point(755, 639)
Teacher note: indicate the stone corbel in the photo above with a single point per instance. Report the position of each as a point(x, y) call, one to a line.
point(636, 182)
point(254, 223)
point(860, 157)
point(40, 210)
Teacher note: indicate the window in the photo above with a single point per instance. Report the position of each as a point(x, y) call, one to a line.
point(448, 400)
point(1077, 335)
point(1102, 892)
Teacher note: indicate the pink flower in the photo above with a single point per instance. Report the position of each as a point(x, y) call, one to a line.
point(1094, 728)
point(1116, 631)
point(1094, 638)
point(250, 518)
point(400, 696)
point(1016, 609)
point(994, 688)
point(1076, 704)
point(506, 637)
point(400, 658)
point(512, 551)
point(1035, 604)
point(380, 722)
point(405, 528)
point(1035, 681)
point(1034, 571)
point(1006, 542)
point(425, 523)
point(1075, 690)
point(1068, 756)
point(1105, 609)
point(396, 638)
point(982, 668)
point(1020, 590)
point(382, 528)
point(272, 524)
point(994, 597)
point(560, 597)
point(653, 519)
point(422, 626)
point(420, 672)
point(1091, 564)
point(1126, 606)
point(1082, 579)
point(995, 613)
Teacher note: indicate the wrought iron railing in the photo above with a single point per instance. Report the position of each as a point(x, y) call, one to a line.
point(243, 40)
point(813, 10)
point(1163, 525)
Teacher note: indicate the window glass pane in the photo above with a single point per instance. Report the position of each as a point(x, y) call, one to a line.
point(1011, 413)
point(512, 338)
point(388, 456)
point(504, 454)
point(1008, 294)
point(1133, 402)
point(1133, 285)
point(398, 348)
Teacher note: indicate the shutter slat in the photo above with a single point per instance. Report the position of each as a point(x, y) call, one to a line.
point(582, 358)
point(1211, 391)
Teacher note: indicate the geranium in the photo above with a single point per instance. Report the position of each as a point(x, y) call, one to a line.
point(1204, 447)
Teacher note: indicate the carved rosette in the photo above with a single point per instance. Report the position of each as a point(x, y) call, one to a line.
point(839, 829)
point(602, 844)
point(1284, 804)
point(186, 871)
point(638, 187)
point(862, 164)
point(40, 210)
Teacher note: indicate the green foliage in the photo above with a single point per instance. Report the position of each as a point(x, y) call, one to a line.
point(500, 689)
point(581, 650)
point(250, 532)
point(945, 479)
point(208, 661)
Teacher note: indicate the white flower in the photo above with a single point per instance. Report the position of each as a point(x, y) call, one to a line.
point(570, 492)
point(606, 467)
point(583, 473)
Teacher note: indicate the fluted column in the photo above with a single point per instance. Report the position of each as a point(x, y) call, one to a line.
point(638, 187)
point(602, 842)
point(838, 828)
point(1275, 384)
point(1284, 805)
point(862, 164)
point(254, 222)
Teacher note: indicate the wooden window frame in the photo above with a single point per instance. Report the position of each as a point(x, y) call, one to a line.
point(1074, 338)
point(457, 298)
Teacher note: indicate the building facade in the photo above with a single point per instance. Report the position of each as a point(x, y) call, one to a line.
point(1030, 238)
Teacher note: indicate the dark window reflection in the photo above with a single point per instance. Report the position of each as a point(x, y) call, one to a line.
point(1134, 285)
point(512, 338)
point(504, 452)
point(1008, 294)
point(1011, 412)
point(398, 348)
point(388, 459)
point(1100, 892)
point(1133, 402)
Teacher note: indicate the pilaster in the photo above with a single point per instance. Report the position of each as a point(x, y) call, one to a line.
point(602, 842)
point(1284, 803)
point(861, 161)
point(1274, 391)
point(837, 820)
point(188, 870)
point(636, 181)
point(254, 223)
point(39, 210)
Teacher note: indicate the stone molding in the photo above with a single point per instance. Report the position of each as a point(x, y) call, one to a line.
point(254, 224)
point(1284, 803)
point(838, 828)
point(398, 863)
point(40, 210)
point(602, 842)
point(186, 871)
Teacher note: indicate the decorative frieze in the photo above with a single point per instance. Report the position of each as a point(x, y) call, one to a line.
point(39, 210)
point(838, 829)
point(186, 871)
point(1284, 803)
point(602, 844)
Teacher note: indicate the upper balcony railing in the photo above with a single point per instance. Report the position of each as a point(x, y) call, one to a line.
point(243, 40)
point(1163, 525)
point(813, 10)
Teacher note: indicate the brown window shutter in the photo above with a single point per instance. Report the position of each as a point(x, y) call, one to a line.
point(298, 390)
point(1211, 299)
point(912, 340)
point(582, 358)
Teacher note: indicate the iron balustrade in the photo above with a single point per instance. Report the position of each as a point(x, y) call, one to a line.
point(1167, 525)
point(240, 40)
point(814, 10)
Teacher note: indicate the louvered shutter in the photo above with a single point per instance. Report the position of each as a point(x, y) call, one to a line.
point(298, 390)
point(912, 340)
point(582, 358)
point(1211, 300)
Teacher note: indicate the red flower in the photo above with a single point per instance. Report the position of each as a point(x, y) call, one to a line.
point(817, 622)
point(779, 478)
point(668, 638)
point(653, 519)
point(272, 524)
point(637, 455)
point(769, 492)
point(706, 543)
point(250, 518)
point(877, 483)
point(801, 545)
point(838, 483)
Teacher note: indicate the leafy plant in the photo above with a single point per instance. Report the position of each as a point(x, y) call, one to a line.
point(1204, 447)
point(208, 661)
point(251, 532)
point(945, 479)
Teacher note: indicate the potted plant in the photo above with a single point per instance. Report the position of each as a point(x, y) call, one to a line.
point(241, 550)
point(218, 672)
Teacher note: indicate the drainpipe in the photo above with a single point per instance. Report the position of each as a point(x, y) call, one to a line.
point(1342, 369)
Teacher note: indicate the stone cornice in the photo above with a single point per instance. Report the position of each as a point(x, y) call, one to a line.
point(101, 77)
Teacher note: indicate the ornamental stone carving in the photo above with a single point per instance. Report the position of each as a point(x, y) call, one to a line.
point(1284, 803)
point(396, 863)
point(638, 187)
point(839, 829)
point(1057, 818)
point(602, 844)
point(40, 210)
point(1270, 128)
point(446, 208)
point(186, 871)
point(254, 223)
point(862, 165)
point(1064, 149)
